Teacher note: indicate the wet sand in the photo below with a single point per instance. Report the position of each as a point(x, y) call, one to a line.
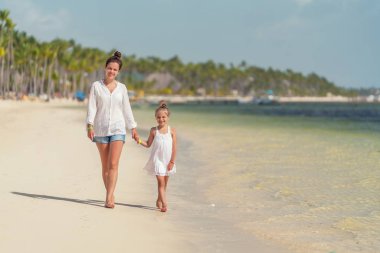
point(308, 184)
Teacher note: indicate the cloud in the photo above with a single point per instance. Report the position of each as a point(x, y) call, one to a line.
point(303, 2)
point(281, 30)
point(43, 24)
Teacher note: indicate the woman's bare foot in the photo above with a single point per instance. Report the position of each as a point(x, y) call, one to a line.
point(158, 204)
point(110, 203)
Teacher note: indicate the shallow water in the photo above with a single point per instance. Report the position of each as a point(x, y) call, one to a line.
point(309, 182)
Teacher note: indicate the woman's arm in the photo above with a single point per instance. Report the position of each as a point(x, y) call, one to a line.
point(90, 131)
point(174, 150)
point(127, 111)
point(135, 135)
point(149, 142)
point(91, 112)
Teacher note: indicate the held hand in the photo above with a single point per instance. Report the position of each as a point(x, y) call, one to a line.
point(90, 134)
point(135, 135)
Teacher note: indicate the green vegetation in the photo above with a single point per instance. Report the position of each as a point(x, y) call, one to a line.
point(61, 67)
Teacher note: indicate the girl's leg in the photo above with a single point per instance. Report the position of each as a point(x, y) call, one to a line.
point(166, 182)
point(166, 185)
point(161, 192)
point(159, 201)
point(113, 165)
point(104, 154)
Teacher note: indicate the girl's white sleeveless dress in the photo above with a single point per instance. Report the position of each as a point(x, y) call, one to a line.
point(160, 155)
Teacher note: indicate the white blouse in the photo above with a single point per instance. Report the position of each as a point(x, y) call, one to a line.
point(108, 112)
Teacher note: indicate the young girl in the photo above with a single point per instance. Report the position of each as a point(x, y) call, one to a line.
point(163, 154)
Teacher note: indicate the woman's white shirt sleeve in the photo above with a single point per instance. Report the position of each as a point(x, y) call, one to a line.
point(109, 113)
point(91, 110)
point(127, 110)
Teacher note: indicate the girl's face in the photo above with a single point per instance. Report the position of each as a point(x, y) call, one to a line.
point(162, 118)
point(112, 70)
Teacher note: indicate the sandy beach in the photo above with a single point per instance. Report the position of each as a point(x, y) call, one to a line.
point(52, 193)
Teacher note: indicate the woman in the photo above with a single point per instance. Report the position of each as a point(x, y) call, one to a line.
point(109, 113)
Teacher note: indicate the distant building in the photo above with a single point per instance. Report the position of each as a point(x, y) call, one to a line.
point(163, 80)
point(201, 92)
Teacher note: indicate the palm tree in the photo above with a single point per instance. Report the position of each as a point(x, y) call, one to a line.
point(30, 66)
point(4, 21)
point(10, 59)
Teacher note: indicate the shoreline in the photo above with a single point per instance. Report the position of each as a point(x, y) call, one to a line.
point(190, 100)
point(177, 99)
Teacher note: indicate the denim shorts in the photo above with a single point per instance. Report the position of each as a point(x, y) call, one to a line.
point(108, 139)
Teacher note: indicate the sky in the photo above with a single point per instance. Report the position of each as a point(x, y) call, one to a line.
point(337, 39)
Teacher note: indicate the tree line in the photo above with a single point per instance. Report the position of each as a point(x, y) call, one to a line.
point(61, 67)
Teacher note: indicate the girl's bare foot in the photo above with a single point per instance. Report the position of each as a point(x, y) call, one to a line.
point(164, 208)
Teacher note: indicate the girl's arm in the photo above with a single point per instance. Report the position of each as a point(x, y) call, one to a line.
point(149, 142)
point(174, 149)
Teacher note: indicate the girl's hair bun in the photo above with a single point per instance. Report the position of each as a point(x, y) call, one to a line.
point(163, 104)
point(117, 54)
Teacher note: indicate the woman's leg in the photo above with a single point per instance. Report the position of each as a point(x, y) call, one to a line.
point(113, 164)
point(161, 192)
point(104, 154)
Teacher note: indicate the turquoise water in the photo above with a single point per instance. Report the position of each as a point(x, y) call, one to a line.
point(305, 176)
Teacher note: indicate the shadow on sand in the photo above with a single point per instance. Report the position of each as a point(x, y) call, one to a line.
point(90, 202)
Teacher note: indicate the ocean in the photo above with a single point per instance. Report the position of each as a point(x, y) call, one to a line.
point(305, 177)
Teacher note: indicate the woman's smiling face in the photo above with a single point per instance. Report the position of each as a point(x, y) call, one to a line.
point(112, 70)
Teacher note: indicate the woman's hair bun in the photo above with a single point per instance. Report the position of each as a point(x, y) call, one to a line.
point(116, 57)
point(117, 54)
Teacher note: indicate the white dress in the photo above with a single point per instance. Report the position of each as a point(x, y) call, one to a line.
point(161, 154)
